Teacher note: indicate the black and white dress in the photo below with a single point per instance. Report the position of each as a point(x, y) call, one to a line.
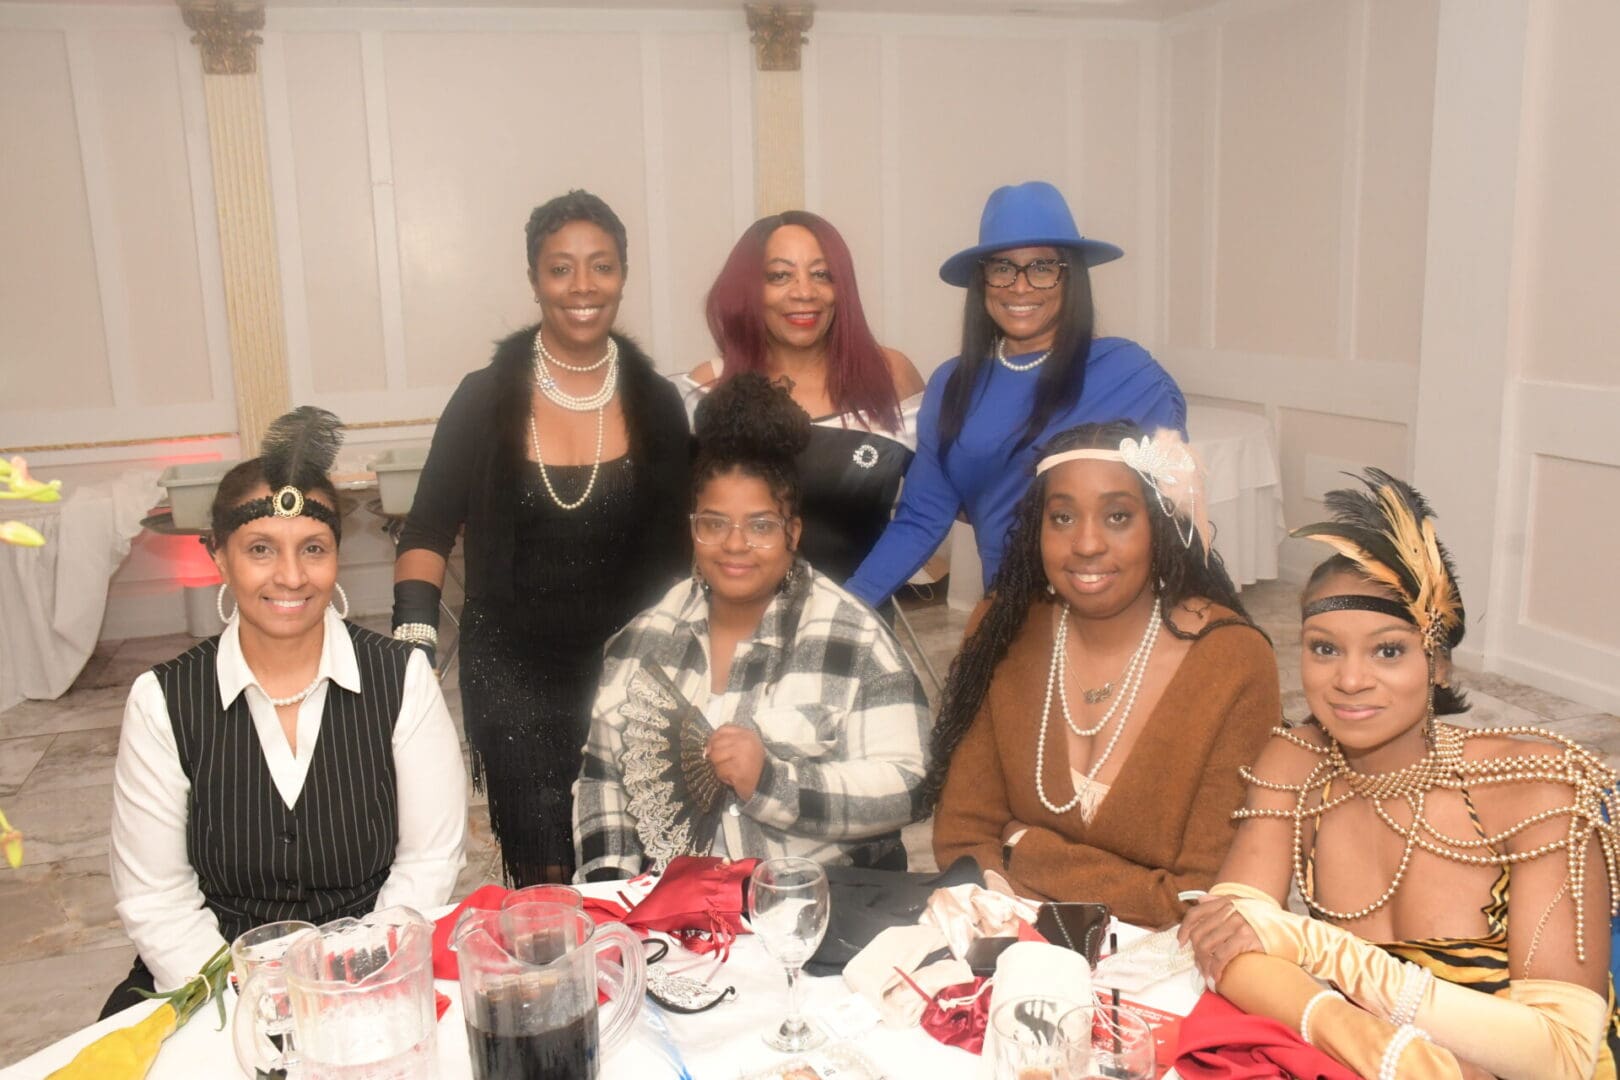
point(849, 476)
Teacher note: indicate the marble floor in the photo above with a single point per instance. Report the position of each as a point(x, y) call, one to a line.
point(64, 948)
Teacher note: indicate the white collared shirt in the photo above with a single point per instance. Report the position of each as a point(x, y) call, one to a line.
point(159, 899)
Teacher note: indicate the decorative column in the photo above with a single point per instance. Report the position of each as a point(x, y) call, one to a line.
point(225, 30)
point(778, 33)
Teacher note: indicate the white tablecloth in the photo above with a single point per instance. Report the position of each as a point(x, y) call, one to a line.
point(52, 598)
point(1243, 485)
point(725, 1042)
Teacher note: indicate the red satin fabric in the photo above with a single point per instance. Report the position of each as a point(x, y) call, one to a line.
point(699, 900)
point(1219, 1041)
point(958, 1015)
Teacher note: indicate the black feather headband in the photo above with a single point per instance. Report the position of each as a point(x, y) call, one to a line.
point(296, 454)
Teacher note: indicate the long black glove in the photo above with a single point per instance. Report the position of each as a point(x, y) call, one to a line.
point(416, 615)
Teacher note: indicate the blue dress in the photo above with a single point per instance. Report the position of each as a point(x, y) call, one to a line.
point(983, 476)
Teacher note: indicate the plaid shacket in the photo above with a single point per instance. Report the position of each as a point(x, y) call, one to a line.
point(833, 698)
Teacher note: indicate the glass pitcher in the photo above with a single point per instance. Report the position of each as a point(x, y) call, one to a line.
point(361, 993)
point(529, 979)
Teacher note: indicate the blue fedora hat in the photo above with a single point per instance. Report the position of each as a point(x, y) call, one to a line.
point(1032, 214)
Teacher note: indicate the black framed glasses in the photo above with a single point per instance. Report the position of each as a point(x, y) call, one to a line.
point(760, 533)
point(1040, 273)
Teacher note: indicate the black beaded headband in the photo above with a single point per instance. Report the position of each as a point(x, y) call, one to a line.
point(289, 502)
point(1357, 602)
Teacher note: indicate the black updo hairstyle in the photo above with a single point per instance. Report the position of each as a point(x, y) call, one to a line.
point(1448, 701)
point(576, 205)
point(1178, 573)
point(752, 426)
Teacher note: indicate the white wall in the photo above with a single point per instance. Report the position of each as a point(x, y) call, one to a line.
point(1557, 473)
point(1295, 176)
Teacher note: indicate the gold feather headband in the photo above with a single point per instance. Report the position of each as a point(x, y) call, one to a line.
point(1388, 532)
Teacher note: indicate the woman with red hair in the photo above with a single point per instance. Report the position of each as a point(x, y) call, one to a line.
point(786, 304)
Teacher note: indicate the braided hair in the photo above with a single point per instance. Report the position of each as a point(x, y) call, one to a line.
point(1178, 573)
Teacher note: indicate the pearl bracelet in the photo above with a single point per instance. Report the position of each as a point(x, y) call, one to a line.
point(1310, 1007)
point(417, 633)
point(1406, 1033)
point(1413, 986)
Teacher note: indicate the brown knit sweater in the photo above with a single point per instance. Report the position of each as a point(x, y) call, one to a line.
point(1165, 823)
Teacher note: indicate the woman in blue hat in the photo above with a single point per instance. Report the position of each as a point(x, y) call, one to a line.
point(1029, 368)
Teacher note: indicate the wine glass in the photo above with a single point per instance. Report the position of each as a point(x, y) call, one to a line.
point(788, 905)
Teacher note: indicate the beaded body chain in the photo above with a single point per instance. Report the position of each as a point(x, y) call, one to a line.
point(1444, 767)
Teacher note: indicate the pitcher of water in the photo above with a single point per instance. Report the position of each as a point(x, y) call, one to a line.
point(361, 996)
point(529, 980)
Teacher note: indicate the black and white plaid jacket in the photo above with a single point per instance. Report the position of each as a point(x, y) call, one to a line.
point(834, 699)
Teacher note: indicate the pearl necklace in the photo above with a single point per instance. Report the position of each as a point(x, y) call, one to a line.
point(1445, 767)
point(596, 464)
point(1128, 683)
point(1127, 698)
point(1028, 365)
point(279, 702)
point(547, 384)
point(541, 352)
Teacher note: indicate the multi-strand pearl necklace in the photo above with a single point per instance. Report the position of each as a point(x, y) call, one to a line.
point(1028, 365)
point(1444, 767)
point(596, 402)
point(558, 396)
point(1056, 675)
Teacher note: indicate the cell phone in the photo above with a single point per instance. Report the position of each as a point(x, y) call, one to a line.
point(983, 952)
point(1081, 927)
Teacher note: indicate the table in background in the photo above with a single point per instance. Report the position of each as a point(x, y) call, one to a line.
point(53, 598)
point(726, 1041)
point(1243, 485)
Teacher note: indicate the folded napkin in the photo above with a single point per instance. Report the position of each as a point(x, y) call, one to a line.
point(889, 972)
point(1219, 1041)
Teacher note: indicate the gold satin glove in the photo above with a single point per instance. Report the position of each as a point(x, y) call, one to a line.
point(1545, 1027)
point(1272, 987)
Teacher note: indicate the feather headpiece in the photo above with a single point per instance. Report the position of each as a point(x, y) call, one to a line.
point(299, 447)
point(1388, 532)
point(295, 455)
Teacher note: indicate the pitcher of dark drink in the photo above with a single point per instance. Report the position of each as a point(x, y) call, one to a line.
point(529, 980)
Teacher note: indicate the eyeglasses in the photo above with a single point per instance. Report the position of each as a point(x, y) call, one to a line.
point(764, 531)
point(1041, 274)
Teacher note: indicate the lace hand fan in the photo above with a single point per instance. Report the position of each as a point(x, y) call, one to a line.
point(675, 796)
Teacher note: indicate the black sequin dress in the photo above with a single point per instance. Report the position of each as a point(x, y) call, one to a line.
point(530, 666)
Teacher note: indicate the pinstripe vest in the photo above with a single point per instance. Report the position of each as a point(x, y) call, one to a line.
point(257, 860)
